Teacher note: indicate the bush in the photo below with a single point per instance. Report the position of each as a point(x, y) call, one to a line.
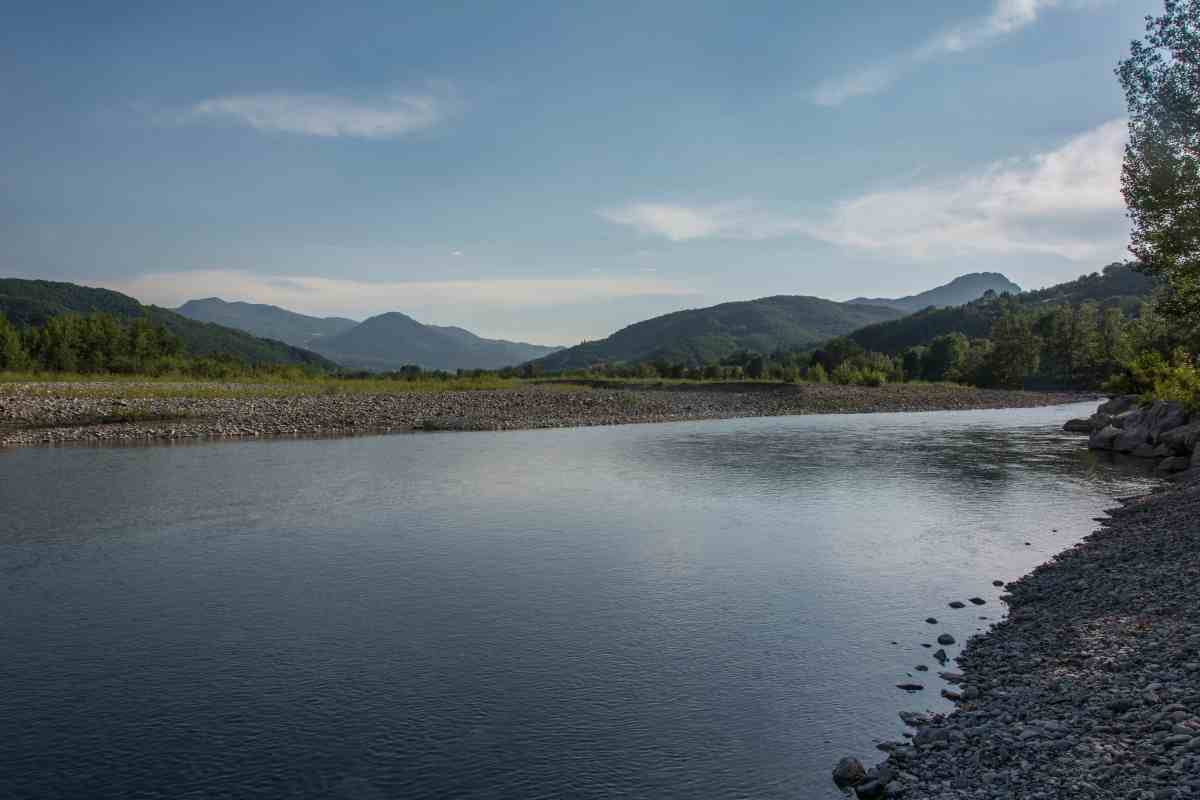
point(1153, 377)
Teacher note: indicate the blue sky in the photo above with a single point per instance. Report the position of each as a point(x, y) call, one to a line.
point(552, 171)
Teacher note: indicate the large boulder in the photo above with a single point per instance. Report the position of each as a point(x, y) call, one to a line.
point(1131, 438)
point(1144, 450)
point(1093, 423)
point(1182, 440)
point(1128, 419)
point(849, 772)
point(1163, 416)
point(1174, 464)
point(1103, 439)
point(1118, 404)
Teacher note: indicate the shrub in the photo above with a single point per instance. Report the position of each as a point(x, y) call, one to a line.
point(1153, 377)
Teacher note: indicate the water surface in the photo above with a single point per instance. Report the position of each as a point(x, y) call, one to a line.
point(692, 610)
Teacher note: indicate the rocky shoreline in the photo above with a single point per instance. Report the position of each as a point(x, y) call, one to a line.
point(1091, 686)
point(49, 413)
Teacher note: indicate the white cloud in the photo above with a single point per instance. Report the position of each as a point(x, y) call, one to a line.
point(446, 300)
point(330, 116)
point(677, 223)
point(1006, 17)
point(682, 223)
point(1065, 202)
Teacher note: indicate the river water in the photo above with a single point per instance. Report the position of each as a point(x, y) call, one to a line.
point(689, 610)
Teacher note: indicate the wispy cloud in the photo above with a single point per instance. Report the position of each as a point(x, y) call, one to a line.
point(385, 117)
point(1064, 202)
point(1006, 17)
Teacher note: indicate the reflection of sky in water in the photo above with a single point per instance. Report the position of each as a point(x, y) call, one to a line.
point(685, 610)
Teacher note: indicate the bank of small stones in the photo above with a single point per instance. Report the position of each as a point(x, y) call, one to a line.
point(47, 413)
point(1091, 687)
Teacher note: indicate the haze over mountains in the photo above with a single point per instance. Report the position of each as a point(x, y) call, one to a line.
point(260, 333)
point(384, 342)
point(962, 289)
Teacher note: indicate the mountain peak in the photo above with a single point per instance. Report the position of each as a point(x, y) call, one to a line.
point(957, 292)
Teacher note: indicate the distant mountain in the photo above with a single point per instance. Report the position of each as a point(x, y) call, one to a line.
point(698, 336)
point(957, 292)
point(32, 302)
point(270, 322)
point(1118, 285)
point(393, 340)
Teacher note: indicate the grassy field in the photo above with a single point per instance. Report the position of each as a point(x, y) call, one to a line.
point(142, 386)
point(138, 386)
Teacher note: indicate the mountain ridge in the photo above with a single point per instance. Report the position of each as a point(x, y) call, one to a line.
point(957, 292)
point(701, 335)
point(268, 321)
point(383, 342)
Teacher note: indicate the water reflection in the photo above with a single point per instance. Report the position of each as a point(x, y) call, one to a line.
point(688, 610)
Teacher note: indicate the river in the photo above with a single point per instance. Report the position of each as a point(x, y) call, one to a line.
point(687, 610)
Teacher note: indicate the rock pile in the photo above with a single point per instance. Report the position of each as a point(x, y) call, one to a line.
point(1164, 431)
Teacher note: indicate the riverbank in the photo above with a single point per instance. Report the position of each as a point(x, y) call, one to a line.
point(50, 413)
point(1090, 687)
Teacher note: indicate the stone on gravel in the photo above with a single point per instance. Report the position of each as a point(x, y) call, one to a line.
point(849, 772)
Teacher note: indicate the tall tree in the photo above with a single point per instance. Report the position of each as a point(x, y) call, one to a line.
point(1161, 174)
point(945, 355)
point(12, 354)
point(1016, 350)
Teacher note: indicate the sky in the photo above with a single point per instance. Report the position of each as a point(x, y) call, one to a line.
point(551, 172)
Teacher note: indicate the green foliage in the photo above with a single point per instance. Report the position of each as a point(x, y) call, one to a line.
point(1015, 351)
point(1153, 377)
point(944, 356)
point(12, 352)
point(96, 343)
point(975, 368)
point(1072, 337)
point(1161, 174)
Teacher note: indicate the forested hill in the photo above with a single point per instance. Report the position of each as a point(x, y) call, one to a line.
point(962, 289)
point(1118, 285)
point(705, 335)
point(33, 302)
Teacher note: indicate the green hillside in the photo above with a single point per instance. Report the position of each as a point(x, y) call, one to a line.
point(1118, 285)
point(704, 335)
point(33, 302)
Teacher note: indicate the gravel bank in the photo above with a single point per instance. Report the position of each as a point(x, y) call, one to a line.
point(1090, 688)
point(54, 413)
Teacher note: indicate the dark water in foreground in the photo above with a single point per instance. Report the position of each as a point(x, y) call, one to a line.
point(693, 610)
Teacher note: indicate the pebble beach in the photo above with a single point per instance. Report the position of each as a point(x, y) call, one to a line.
point(49, 413)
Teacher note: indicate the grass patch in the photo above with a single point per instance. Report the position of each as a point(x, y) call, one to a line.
point(140, 386)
